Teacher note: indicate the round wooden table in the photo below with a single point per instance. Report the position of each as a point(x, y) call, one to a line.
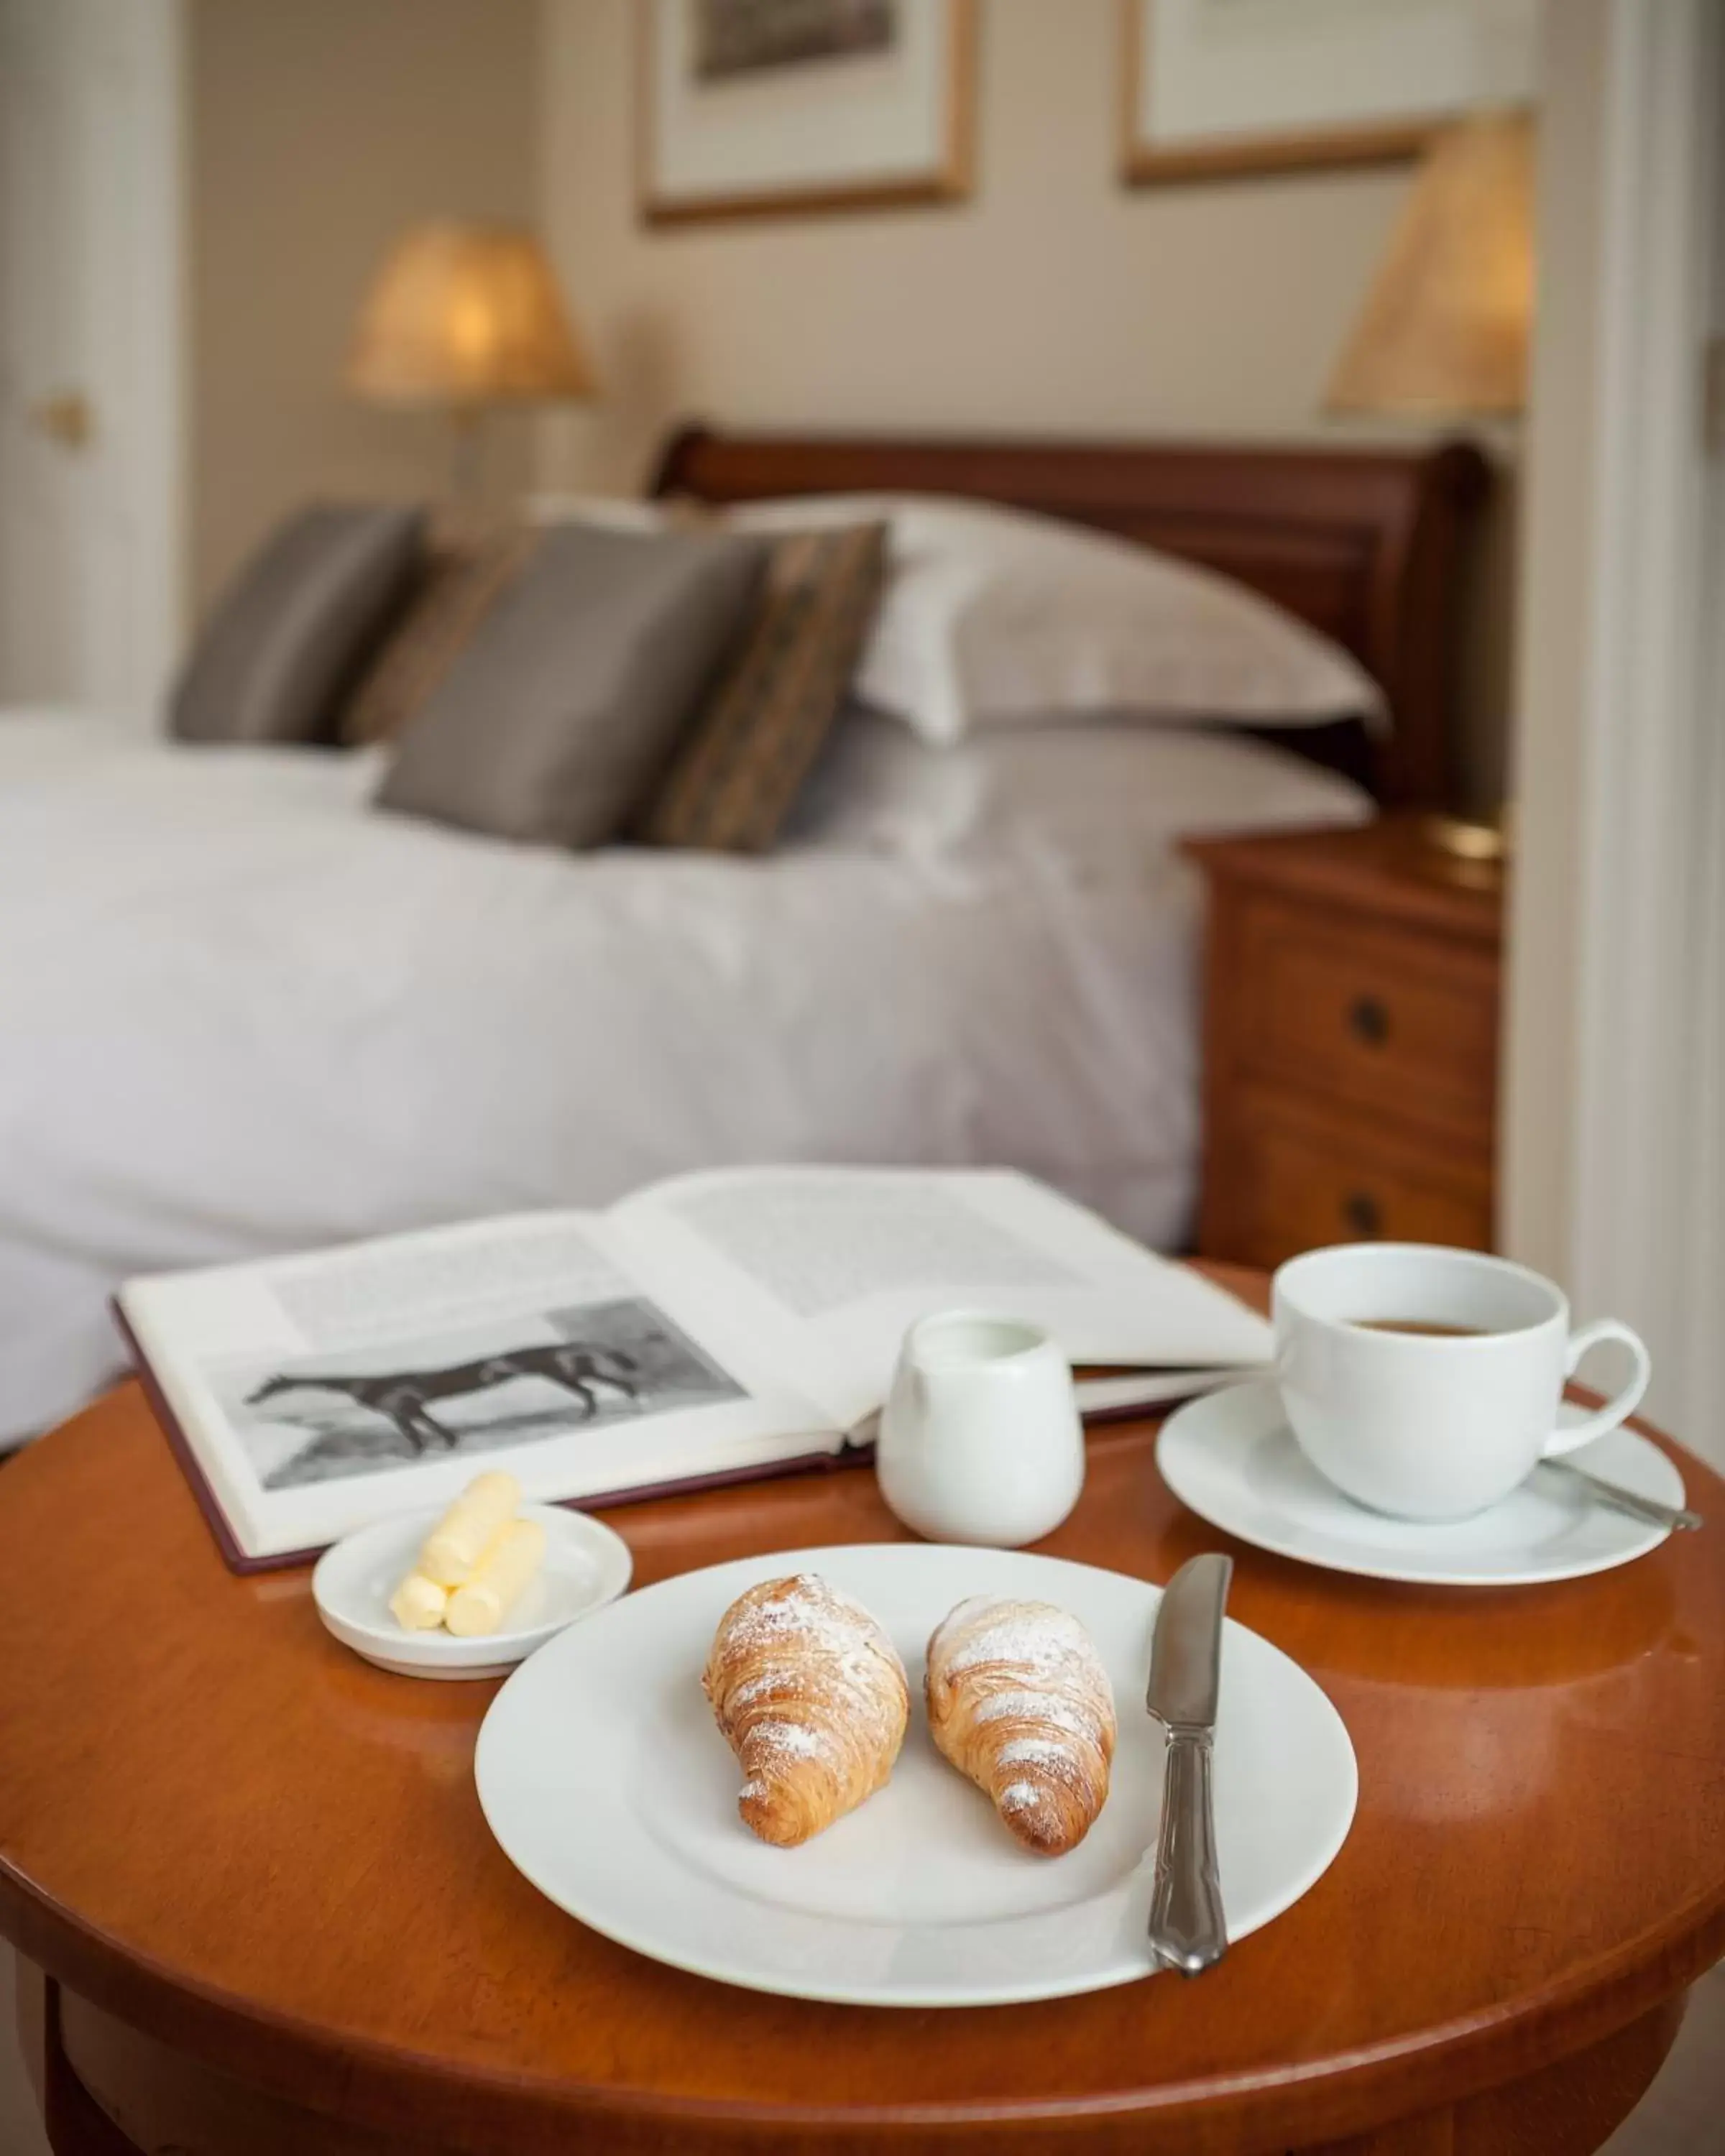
point(249, 1877)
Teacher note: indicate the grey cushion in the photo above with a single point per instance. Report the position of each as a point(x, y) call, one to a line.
point(560, 716)
point(288, 636)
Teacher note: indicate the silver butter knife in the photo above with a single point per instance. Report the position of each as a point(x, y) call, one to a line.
point(1188, 1930)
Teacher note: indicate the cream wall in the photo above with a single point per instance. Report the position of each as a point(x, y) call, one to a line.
point(1053, 300)
point(315, 130)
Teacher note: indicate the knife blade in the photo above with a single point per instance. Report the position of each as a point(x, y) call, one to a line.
point(1189, 1930)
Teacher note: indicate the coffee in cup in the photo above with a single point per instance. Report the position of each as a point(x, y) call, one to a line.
point(1426, 1331)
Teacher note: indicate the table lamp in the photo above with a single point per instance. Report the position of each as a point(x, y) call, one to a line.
point(1446, 324)
point(467, 316)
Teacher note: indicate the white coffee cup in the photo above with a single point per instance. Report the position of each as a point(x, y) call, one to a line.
point(1438, 1425)
point(980, 1438)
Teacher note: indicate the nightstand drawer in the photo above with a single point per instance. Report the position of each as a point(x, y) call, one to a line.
point(1397, 1022)
point(1295, 1180)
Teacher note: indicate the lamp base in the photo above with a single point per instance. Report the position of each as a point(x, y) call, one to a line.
point(466, 455)
point(1464, 840)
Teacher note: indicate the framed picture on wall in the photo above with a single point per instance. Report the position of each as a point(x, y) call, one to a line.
point(1212, 88)
point(755, 107)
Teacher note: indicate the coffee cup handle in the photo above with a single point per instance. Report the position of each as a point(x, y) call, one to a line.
point(1568, 1435)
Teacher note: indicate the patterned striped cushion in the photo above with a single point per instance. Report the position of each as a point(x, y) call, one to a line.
point(739, 768)
point(468, 566)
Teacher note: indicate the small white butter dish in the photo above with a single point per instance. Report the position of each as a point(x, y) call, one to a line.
point(586, 1566)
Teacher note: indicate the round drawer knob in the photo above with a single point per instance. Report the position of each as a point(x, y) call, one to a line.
point(1363, 1213)
point(1368, 1020)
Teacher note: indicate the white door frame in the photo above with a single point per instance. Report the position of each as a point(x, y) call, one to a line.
point(157, 419)
point(1615, 1166)
point(110, 227)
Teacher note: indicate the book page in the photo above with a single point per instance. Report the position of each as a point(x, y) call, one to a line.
point(829, 1266)
point(320, 1392)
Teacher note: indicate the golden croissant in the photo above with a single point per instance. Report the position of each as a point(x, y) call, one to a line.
point(811, 1695)
point(1018, 1700)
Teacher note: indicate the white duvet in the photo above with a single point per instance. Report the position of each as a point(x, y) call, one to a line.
point(241, 1013)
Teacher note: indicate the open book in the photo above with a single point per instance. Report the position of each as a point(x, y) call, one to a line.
point(716, 1325)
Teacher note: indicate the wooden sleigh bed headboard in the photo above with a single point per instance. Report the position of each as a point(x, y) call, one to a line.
point(1368, 546)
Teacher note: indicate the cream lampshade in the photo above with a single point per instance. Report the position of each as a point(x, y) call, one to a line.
point(467, 316)
point(1444, 327)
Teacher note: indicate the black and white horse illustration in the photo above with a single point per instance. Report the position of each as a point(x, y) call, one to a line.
point(403, 1397)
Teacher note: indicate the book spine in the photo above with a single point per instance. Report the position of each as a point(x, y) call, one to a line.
point(207, 1503)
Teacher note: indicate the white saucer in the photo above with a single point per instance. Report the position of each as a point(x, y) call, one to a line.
point(605, 1781)
point(1232, 1459)
point(586, 1565)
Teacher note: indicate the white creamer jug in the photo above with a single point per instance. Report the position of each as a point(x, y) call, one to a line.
point(980, 1438)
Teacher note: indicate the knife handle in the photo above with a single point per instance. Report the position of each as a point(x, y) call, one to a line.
point(1188, 1929)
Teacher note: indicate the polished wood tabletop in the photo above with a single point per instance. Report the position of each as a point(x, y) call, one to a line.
point(255, 1870)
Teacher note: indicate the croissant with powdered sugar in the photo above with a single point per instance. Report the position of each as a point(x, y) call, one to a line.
point(811, 1695)
point(1018, 1700)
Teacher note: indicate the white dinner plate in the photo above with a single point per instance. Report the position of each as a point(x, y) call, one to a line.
point(1232, 1459)
point(605, 1779)
point(585, 1567)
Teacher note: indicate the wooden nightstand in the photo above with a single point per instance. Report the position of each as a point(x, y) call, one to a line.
point(1350, 1041)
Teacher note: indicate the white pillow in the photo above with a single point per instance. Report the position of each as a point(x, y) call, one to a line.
point(992, 617)
point(1093, 792)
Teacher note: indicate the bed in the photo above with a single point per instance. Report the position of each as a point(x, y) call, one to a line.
point(242, 1013)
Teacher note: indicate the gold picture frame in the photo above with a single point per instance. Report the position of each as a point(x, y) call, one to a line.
point(1393, 140)
point(948, 177)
